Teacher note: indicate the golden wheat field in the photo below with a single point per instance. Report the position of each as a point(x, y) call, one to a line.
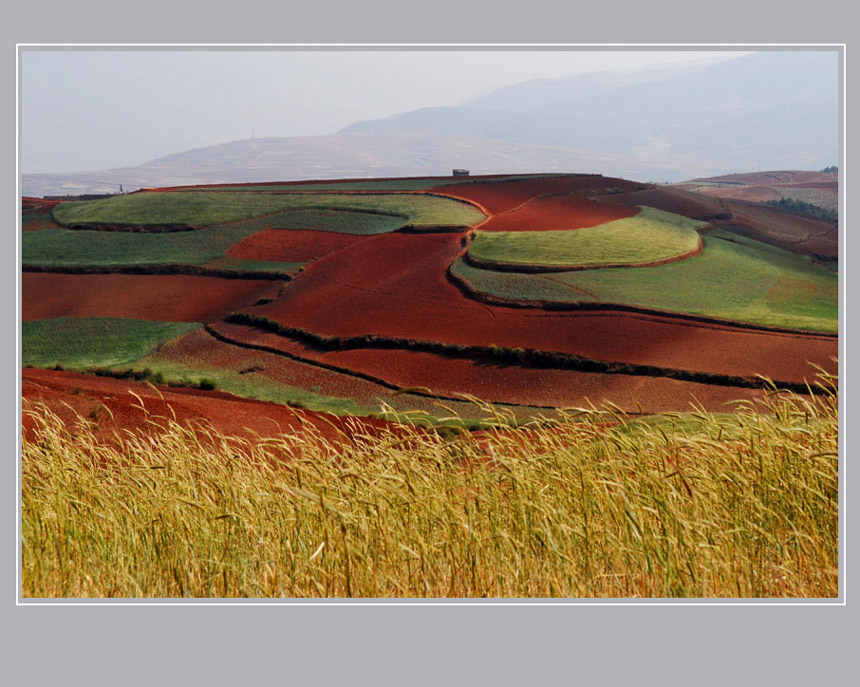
point(741, 505)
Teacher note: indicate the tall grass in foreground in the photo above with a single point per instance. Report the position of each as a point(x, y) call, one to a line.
point(744, 506)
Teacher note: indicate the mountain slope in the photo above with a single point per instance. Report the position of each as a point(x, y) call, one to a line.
point(771, 108)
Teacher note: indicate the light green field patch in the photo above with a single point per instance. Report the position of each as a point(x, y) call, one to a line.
point(734, 278)
point(81, 342)
point(649, 236)
point(207, 208)
point(64, 247)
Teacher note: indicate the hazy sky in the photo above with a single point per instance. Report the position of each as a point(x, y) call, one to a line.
point(97, 109)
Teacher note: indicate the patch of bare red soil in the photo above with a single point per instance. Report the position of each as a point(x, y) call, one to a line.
point(395, 285)
point(294, 245)
point(501, 196)
point(75, 397)
point(678, 201)
point(781, 224)
point(199, 345)
point(28, 203)
point(168, 298)
point(499, 383)
point(552, 213)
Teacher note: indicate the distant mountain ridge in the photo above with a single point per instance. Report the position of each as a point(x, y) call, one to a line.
point(766, 110)
point(769, 108)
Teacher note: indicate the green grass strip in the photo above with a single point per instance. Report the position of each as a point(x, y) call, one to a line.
point(649, 236)
point(56, 247)
point(94, 341)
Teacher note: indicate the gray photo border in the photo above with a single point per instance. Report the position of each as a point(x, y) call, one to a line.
point(517, 641)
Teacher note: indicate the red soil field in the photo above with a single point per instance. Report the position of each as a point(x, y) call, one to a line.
point(199, 345)
point(508, 384)
point(73, 396)
point(168, 298)
point(395, 285)
point(498, 197)
point(279, 245)
point(693, 205)
point(827, 244)
point(28, 203)
point(541, 387)
point(784, 225)
point(572, 211)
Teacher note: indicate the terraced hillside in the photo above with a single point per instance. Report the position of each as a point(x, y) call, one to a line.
point(535, 292)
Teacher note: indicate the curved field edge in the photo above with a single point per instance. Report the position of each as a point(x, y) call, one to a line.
point(743, 506)
point(788, 292)
point(648, 238)
point(206, 208)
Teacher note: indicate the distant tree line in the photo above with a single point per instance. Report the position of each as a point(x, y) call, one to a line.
point(806, 208)
point(831, 170)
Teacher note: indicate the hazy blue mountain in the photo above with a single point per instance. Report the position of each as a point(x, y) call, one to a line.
point(766, 110)
point(771, 106)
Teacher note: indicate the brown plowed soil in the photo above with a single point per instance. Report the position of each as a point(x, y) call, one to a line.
point(510, 384)
point(822, 245)
point(693, 205)
point(394, 285)
point(279, 245)
point(76, 396)
point(498, 197)
point(783, 225)
point(168, 298)
point(199, 345)
point(553, 213)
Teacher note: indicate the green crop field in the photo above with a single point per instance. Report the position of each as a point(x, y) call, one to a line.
point(340, 221)
point(204, 209)
point(649, 236)
point(362, 214)
point(81, 342)
point(64, 247)
point(734, 278)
